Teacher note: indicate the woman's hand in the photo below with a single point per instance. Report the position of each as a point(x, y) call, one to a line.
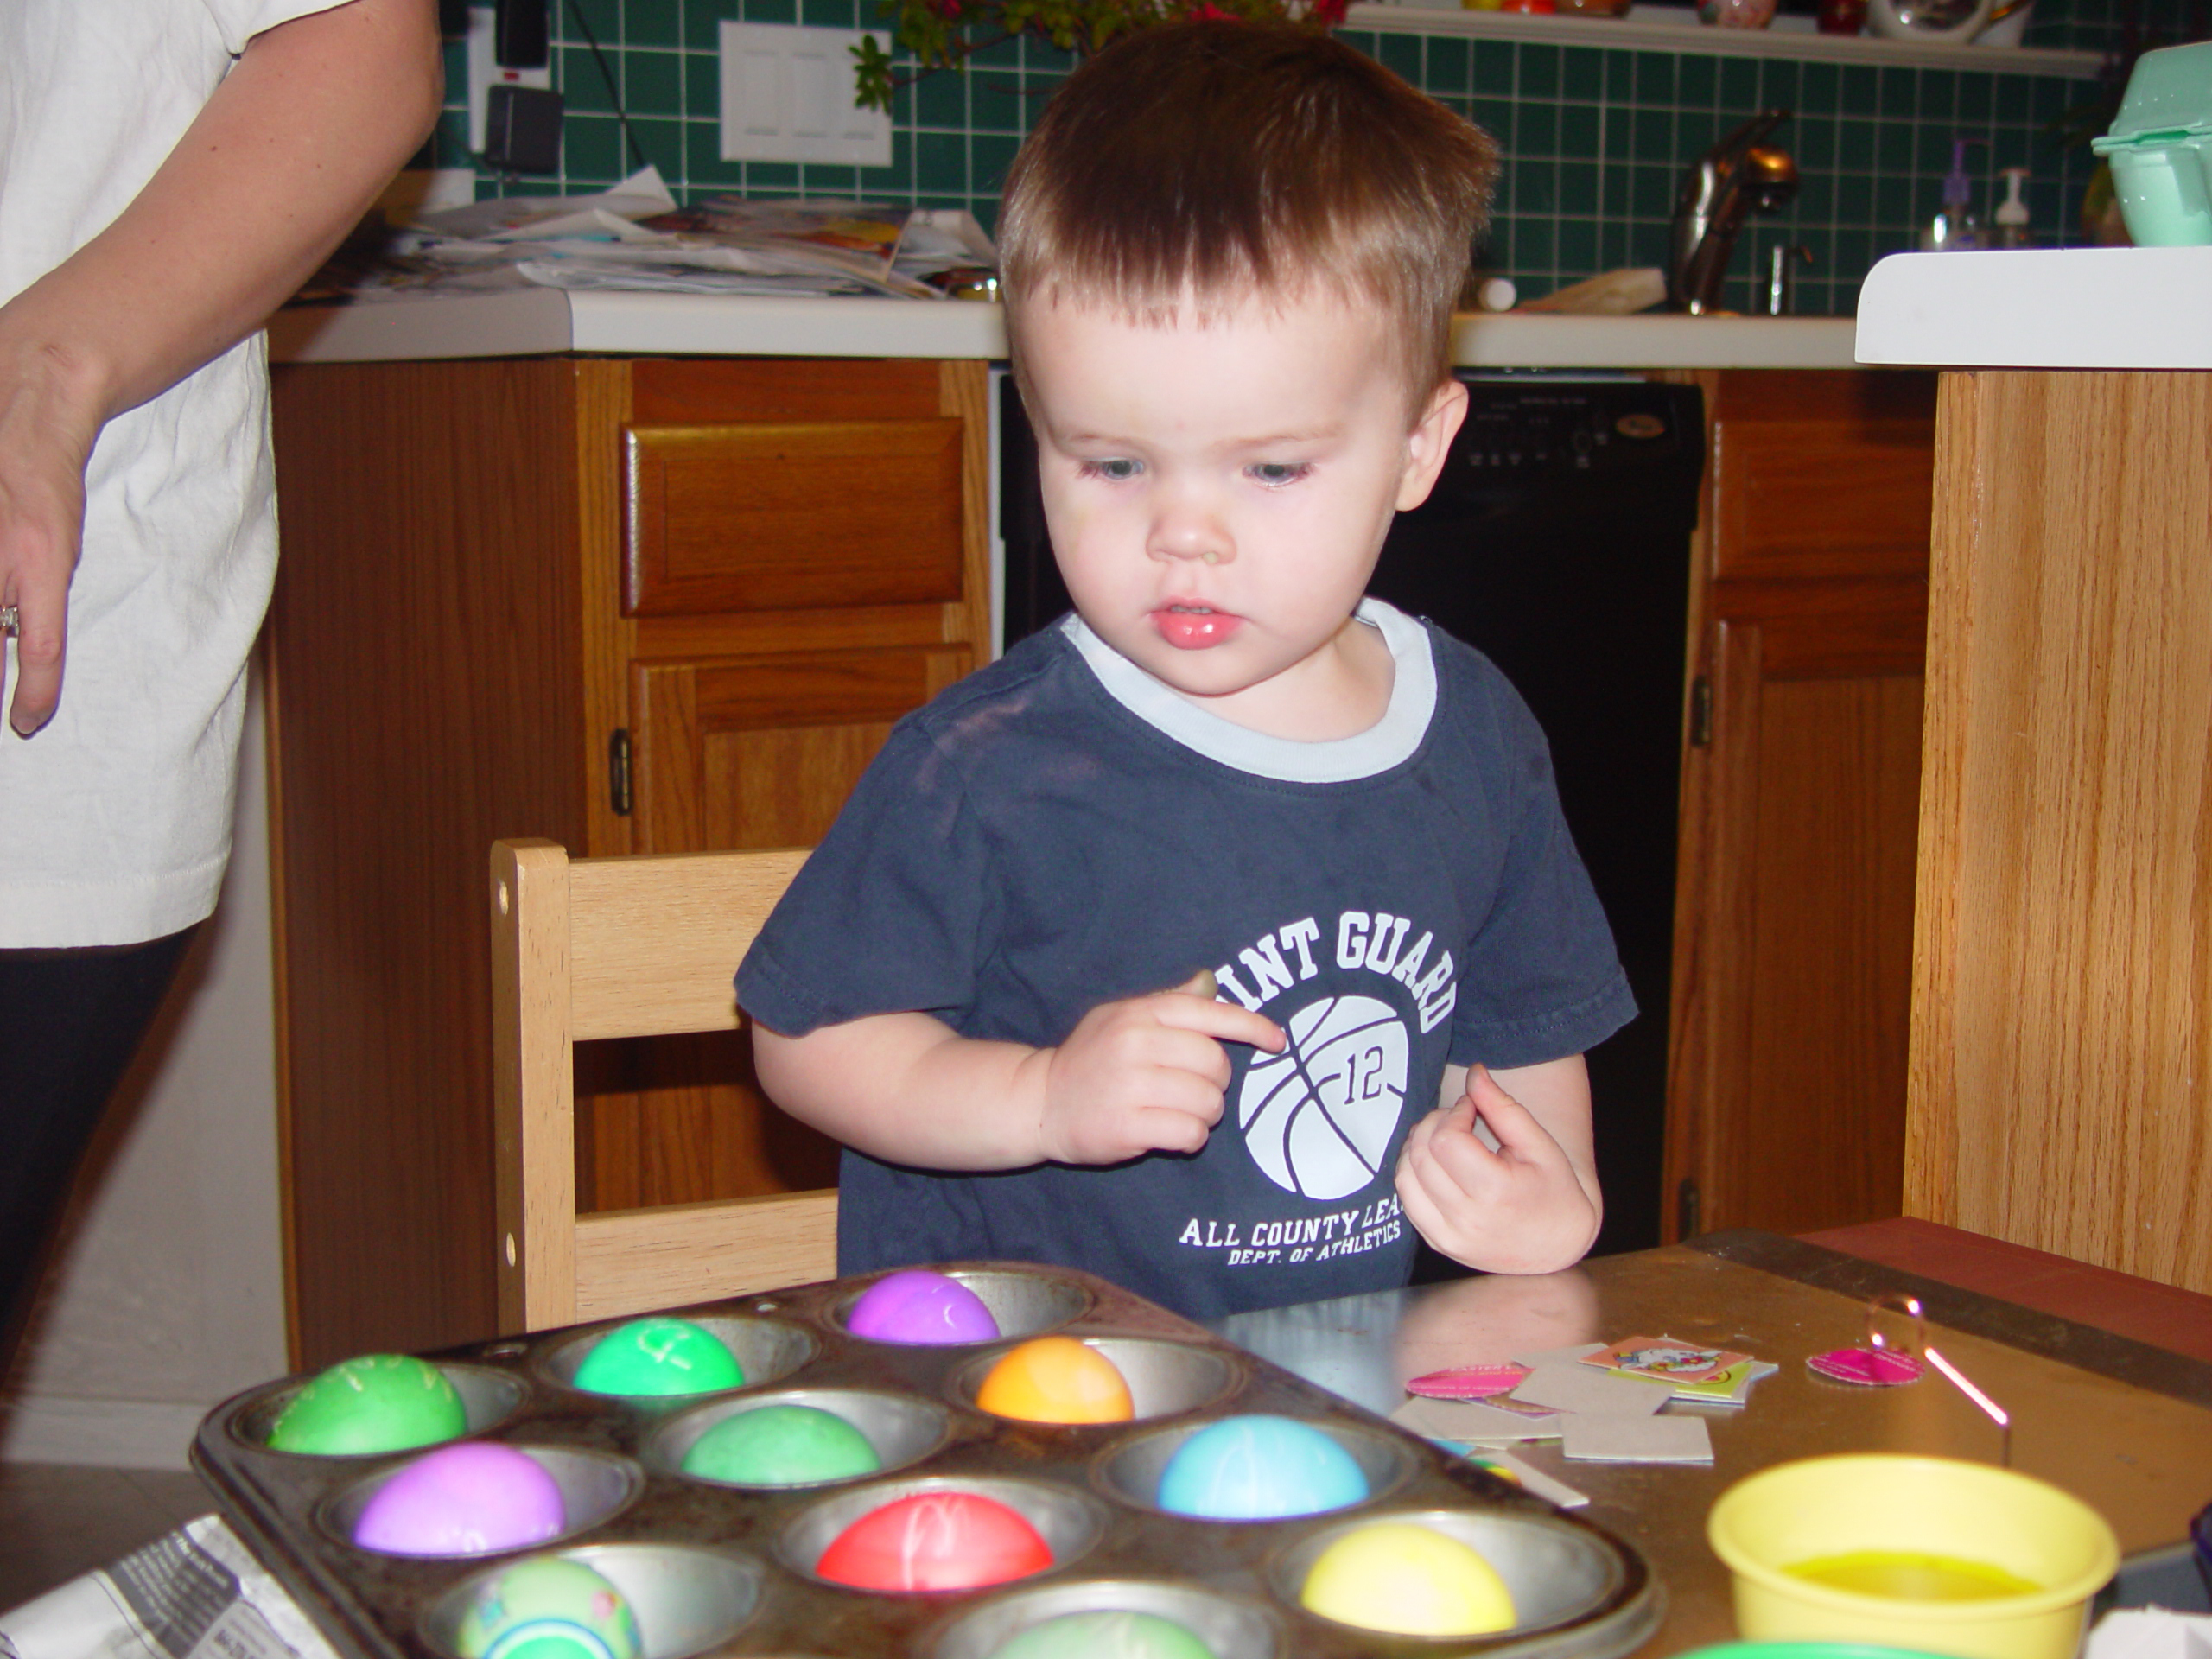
point(308, 125)
point(49, 420)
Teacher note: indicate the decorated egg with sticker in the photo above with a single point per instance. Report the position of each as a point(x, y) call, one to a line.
point(549, 1608)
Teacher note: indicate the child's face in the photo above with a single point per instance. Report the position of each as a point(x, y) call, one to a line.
point(1218, 493)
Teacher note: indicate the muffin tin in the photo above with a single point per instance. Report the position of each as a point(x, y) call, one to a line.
point(711, 1567)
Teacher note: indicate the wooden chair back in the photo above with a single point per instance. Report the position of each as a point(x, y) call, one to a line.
point(642, 946)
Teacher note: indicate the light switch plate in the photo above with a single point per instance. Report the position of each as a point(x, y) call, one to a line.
point(483, 73)
point(787, 96)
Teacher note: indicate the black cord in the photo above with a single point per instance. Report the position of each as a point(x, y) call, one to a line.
point(591, 40)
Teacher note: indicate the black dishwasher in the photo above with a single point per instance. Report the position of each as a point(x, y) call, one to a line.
point(1557, 542)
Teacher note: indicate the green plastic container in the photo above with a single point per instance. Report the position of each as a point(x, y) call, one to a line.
point(2160, 148)
point(1802, 1650)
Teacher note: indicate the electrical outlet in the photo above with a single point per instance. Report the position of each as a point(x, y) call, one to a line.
point(787, 96)
point(484, 74)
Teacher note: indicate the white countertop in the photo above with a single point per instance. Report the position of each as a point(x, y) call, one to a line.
point(2041, 308)
point(538, 322)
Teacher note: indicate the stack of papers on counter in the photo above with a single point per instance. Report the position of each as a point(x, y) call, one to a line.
point(635, 237)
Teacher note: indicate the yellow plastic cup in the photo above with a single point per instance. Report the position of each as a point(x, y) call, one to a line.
point(1824, 1507)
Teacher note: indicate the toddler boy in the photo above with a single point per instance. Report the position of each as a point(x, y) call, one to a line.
point(1230, 253)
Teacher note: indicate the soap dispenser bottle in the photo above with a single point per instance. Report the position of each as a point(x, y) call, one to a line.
point(2012, 214)
point(1955, 229)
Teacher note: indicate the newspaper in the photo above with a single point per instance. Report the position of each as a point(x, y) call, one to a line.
point(635, 237)
point(196, 1593)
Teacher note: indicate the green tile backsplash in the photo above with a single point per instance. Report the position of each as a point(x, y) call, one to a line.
point(1595, 137)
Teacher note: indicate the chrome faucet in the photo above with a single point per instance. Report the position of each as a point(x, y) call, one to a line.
point(1736, 176)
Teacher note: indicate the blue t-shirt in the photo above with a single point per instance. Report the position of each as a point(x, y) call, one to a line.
point(1059, 829)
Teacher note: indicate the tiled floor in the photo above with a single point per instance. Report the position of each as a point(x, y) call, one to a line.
point(58, 1521)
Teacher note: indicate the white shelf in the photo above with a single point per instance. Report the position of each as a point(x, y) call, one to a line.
point(1675, 28)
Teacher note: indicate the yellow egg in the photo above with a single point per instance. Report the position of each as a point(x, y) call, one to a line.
point(1408, 1580)
point(1055, 1380)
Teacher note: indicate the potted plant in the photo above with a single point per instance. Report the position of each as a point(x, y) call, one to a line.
point(943, 34)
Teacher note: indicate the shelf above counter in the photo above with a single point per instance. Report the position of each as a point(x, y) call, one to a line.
point(1675, 28)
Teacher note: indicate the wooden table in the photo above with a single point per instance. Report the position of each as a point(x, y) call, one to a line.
point(2125, 1425)
point(2161, 1315)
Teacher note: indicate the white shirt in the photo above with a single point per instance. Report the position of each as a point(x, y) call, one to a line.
point(115, 821)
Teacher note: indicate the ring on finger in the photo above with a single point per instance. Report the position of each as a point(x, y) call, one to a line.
point(10, 620)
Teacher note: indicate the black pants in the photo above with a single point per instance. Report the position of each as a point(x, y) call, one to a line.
point(70, 1020)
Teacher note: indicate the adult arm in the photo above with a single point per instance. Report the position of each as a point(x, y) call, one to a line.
point(314, 118)
point(1143, 1074)
point(1532, 1204)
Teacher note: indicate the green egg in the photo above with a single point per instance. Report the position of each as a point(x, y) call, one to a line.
point(781, 1445)
point(547, 1608)
point(376, 1402)
point(1106, 1635)
point(658, 1355)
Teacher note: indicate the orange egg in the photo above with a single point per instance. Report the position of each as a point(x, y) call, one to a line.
point(1055, 1380)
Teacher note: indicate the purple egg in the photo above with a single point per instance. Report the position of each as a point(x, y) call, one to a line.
point(469, 1499)
point(918, 1306)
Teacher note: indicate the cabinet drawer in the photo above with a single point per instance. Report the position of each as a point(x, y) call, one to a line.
point(1822, 498)
point(762, 751)
point(792, 516)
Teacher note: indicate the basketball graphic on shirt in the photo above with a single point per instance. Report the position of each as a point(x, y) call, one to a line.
point(1318, 1117)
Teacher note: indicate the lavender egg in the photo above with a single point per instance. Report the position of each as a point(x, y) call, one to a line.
point(469, 1499)
point(918, 1306)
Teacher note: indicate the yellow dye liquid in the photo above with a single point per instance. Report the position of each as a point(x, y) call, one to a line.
point(1909, 1575)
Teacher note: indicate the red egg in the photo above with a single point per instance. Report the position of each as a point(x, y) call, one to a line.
point(935, 1540)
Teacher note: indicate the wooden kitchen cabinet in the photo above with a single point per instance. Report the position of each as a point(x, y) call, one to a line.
point(2061, 1007)
point(648, 605)
point(1794, 901)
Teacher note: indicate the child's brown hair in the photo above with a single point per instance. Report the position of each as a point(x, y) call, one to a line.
point(1209, 161)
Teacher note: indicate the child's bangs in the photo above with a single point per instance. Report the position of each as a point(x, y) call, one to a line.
point(1212, 162)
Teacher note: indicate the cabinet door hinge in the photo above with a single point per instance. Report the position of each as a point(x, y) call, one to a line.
point(1689, 1210)
point(1700, 713)
point(618, 772)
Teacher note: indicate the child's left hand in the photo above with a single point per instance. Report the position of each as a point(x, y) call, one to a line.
point(1532, 1205)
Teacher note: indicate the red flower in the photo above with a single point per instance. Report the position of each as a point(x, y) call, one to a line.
point(1328, 13)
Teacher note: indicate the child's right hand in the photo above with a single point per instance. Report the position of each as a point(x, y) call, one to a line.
point(1145, 1074)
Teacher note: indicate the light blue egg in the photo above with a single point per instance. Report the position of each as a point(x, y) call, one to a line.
point(1260, 1469)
